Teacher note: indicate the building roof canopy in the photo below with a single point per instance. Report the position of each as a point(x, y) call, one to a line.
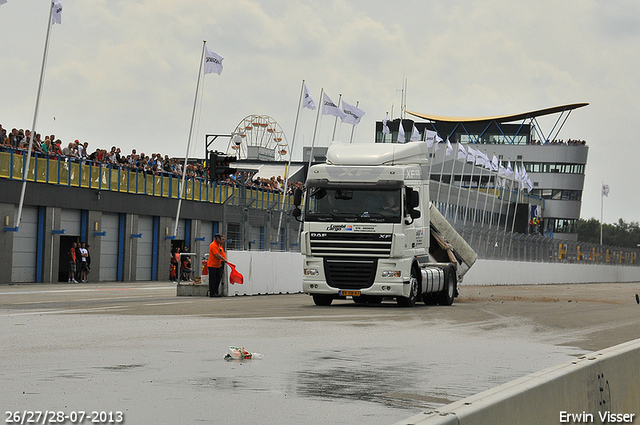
point(503, 118)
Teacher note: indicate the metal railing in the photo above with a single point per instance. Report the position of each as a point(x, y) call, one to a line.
point(72, 172)
point(492, 244)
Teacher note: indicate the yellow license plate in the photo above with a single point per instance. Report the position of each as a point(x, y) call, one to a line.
point(349, 293)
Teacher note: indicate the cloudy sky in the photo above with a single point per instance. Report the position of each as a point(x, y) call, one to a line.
point(124, 73)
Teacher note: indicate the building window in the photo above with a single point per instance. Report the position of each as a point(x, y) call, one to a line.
point(560, 225)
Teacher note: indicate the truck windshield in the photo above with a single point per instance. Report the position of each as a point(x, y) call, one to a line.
point(358, 205)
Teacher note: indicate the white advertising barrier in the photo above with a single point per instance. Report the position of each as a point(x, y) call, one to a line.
point(266, 272)
point(602, 387)
point(495, 272)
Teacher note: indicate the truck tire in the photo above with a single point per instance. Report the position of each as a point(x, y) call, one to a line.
point(322, 299)
point(449, 292)
point(410, 301)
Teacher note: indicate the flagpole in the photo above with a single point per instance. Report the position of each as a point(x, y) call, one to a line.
point(335, 123)
point(434, 153)
point(444, 157)
point(486, 194)
point(315, 130)
point(464, 164)
point(186, 157)
point(354, 126)
point(286, 181)
point(506, 218)
point(25, 170)
point(601, 209)
point(475, 211)
point(493, 202)
point(515, 209)
point(466, 208)
point(453, 166)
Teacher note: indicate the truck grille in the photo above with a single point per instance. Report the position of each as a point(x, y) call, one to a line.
point(350, 244)
point(352, 273)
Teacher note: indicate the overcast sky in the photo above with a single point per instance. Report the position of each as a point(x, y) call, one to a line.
point(124, 73)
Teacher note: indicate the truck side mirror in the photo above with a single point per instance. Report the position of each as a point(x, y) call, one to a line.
point(296, 212)
point(297, 198)
point(415, 214)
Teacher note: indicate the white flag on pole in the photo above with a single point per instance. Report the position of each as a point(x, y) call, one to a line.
point(212, 62)
point(501, 170)
point(385, 127)
point(352, 115)
point(415, 136)
point(401, 138)
point(330, 108)
point(509, 170)
point(449, 148)
point(605, 190)
point(430, 137)
point(495, 165)
point(56, 17)
point(308, 102)
point(462, 153)
point(472, 154)
point(523, 178)
point(438, 140)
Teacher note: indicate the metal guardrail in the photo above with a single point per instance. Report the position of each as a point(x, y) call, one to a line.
point(493, 244)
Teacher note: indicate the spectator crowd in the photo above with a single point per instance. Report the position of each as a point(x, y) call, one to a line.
point(17, 141)
point(569, 142)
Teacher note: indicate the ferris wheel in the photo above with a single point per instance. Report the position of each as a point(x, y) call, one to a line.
point(260, 131)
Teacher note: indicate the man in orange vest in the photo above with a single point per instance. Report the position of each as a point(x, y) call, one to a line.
point(217, 260)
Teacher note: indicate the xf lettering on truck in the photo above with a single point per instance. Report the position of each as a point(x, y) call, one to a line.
point(410, 174)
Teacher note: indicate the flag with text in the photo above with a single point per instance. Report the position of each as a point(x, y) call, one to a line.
point(212, 62)
point(330, 108)
point(352, 114)
point(308, 102)
point(56, 16)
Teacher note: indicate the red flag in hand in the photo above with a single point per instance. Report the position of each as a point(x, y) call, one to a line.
point(235, 276)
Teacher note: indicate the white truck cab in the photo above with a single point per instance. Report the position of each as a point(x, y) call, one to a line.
point(369, 233)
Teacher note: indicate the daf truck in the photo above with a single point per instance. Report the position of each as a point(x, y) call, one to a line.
point(371, 233)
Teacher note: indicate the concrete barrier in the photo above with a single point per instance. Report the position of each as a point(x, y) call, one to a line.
point(602, 387)
point(281, 273)
point(263, 272)
point(495, 272)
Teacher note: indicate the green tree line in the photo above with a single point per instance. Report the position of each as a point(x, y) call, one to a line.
point(621, 234)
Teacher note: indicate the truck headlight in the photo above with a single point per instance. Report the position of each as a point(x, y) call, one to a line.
point(391, 273)
point(311, 272)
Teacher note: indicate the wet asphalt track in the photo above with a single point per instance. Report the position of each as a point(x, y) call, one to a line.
point(158, 358)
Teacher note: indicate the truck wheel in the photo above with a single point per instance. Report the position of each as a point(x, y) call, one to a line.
point(430, 299)
point(410, 301)
point(322, 299)
point(449, 292)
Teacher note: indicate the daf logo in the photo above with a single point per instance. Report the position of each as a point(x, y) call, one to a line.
point(318, 235)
